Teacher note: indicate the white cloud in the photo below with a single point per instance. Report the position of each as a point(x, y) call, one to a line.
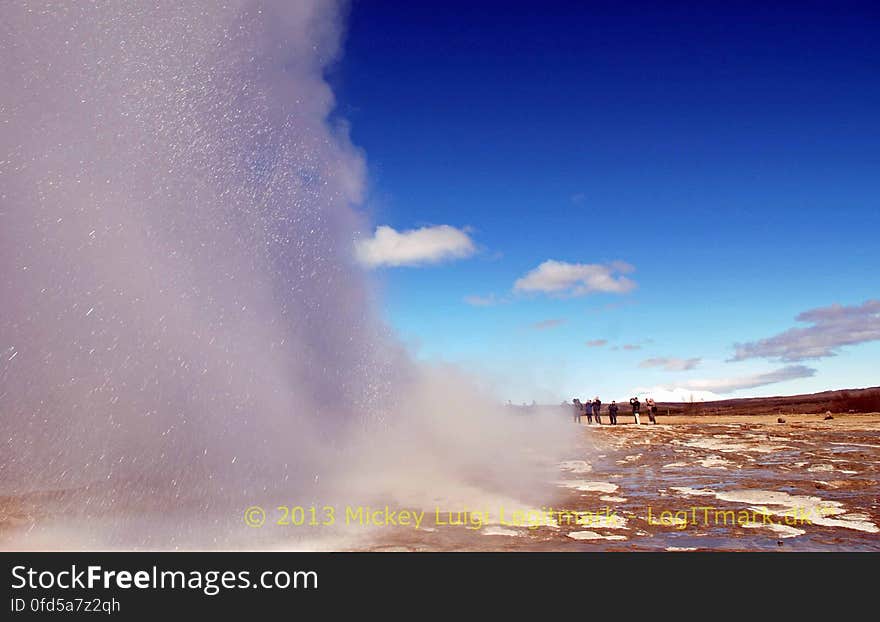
point(389, 247)
point(671, 364)
point(706, 390)
point(576, 279)
point(728, 385)
point(832, 327)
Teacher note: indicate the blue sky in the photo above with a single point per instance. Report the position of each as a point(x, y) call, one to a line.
point(731, 156)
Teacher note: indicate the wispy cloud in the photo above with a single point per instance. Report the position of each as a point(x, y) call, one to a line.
point(597, 343)
point(671, 364)
point(548, 324)
point(676, 394)
point(560, 278)
point(389, 247)
point(631, 346)
point(483, 301)
point(612, 306)
point(832, 328)
point(728, 385)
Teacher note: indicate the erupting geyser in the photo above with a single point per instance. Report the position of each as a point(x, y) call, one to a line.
point(179, 302)
point(183, 325)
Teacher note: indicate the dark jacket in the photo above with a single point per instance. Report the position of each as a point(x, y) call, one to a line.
point(636, 404)
point(612, 410)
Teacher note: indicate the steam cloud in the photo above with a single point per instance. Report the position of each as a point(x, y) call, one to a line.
point(184, 322)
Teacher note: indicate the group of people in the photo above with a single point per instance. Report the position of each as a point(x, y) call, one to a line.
point(593, 410)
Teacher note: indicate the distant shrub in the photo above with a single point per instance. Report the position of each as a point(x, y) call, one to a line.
point(866, 401)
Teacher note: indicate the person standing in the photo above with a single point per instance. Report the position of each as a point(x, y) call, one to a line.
point(597, 409)
point(636, 406)
point(612, 412)
point(588, 410)
point(576, 409)
point(652, 410)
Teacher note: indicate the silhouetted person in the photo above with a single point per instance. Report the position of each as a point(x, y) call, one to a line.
point(652, 410)
point(597, 409)
point(588, 410)
point(612, 412)
point(636, 406)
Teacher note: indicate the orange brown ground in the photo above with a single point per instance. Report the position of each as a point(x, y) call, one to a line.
point(816, 481)
point(621, 478)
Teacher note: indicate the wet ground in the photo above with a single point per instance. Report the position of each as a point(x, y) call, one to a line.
point(726, 483)
point(719, 483)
